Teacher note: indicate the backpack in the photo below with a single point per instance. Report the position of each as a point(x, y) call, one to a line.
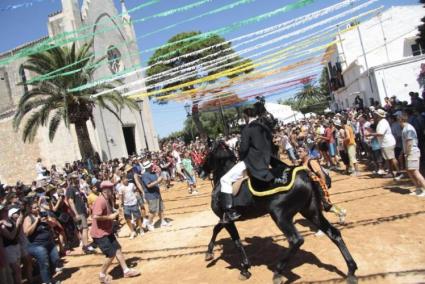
point(325, 172)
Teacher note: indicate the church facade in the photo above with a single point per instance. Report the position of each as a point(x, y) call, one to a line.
point(113, 37)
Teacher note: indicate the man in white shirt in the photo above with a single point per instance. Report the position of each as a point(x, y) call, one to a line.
point(128, 197)
point(386, 141)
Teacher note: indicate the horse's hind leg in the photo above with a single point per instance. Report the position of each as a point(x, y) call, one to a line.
point(295, 240)
point(317, 218)
point(210, 253)
point(246, 265)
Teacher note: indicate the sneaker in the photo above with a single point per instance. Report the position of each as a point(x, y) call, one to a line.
point(88, 250)
point(151, 228)
point(398, 177)
point(195, 192)
point(131, 273)
point(422, 194)
point(381, 172)
point(145, 223)
point(319, 234)
point(165, 224)
point(132, 235)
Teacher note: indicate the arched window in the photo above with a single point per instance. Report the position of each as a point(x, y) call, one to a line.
point(23, 78)
point(114, 60)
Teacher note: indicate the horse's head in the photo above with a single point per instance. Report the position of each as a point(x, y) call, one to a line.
point(218, 161)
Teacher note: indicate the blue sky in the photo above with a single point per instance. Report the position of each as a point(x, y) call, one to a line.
point(26, 24)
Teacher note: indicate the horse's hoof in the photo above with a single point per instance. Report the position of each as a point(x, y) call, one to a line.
point(209, 256)
point(245, 275)
point(277, 278)
point(352, 279)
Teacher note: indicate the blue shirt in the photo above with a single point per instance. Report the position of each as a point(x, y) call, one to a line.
point(153, 192)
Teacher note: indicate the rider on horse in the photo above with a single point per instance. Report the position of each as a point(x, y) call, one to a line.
point(255, 155)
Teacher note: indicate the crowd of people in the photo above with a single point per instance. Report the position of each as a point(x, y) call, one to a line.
point(79, 205)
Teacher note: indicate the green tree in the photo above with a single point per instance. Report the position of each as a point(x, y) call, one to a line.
point(187, 47)
point(48, 103)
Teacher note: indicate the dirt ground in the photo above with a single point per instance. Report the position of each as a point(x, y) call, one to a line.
point(384, 232)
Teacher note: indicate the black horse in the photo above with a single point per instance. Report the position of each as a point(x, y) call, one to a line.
point(303, 198)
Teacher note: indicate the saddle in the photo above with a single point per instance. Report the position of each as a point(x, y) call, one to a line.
point(236, 187)
point(260, 188)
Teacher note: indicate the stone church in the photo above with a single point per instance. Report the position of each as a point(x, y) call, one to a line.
point(110, 137)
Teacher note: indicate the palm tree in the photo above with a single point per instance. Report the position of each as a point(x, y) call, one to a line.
point(48, 102)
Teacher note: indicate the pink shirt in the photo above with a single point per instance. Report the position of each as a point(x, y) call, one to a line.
point(102, 228)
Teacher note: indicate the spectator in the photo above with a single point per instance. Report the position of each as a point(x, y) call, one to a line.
point(127, 193)
point(41, 244)
point(103, 235)
point(386, 141)
point(78, 205)
point(189, 173)
point(350, 145)
point(412, 154)
point(153, 195)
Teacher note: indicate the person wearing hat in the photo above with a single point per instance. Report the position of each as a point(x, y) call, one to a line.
point(12, 245)
point(386, 141)
point(103, 234)
point(151, 182)
point(77, 203)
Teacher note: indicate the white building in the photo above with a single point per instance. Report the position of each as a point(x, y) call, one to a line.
point(379, 58)
point(109, 137)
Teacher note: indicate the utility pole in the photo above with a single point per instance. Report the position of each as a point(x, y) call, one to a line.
point(365, 59)
point(383, 34)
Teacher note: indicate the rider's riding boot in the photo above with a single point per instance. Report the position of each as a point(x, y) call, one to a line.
point(230, 214)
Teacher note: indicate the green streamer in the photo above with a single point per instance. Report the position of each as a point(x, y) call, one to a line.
point(221, 9)
point(60, 39)
point(224, 30)
point(162, 14)
point(200, 37)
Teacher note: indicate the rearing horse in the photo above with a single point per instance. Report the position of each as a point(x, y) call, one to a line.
point(283, 206)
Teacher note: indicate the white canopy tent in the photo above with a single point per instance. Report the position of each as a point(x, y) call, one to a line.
point(285, 113)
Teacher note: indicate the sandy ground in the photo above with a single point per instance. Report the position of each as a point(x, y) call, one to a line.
point(384, 232)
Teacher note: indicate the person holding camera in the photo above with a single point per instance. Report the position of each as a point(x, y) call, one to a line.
point(103, 234)
point(41, 243)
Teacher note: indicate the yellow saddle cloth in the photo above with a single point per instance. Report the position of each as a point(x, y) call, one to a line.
point(272, 188)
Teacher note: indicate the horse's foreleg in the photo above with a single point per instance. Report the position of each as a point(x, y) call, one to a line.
point(295, 240)
point(245, 265)
point(334, 234)
point(210, 253)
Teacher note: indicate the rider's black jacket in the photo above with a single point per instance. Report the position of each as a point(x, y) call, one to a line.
point(256, 150)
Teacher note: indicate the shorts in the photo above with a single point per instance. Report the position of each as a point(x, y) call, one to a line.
point(132, 211)
point(332, 149)
point(82, 223)
point(388, 153)
point(413, 162)
point(108, 245)
point(165, 175)
point(351, 151)
point(156, 205)
point(13, 254)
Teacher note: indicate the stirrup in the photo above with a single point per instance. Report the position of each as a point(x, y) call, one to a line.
point(230, 216)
